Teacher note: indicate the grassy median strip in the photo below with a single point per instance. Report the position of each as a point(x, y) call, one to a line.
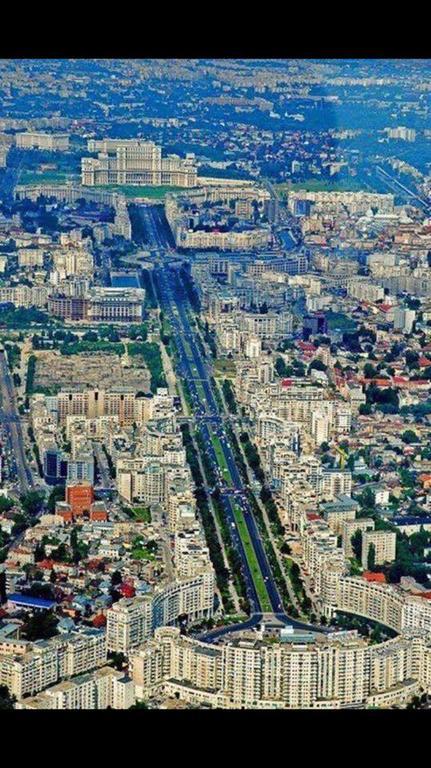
point(258, 579)
point(221, 458)
point(243, 531)
point(201, 391)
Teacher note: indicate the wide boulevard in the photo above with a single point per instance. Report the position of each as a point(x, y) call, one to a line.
point(11, 422)
point(192, 368)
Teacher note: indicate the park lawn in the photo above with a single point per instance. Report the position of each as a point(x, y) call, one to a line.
point(320, 185)
point(221, 458)
point(29, 178)
point(139, 553)
point(250, 554)
point(153, 192)
point(142, 514)
point(339, 321)
point(83, 347)
point(224, 366)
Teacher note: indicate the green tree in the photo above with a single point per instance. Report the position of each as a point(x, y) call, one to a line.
point(32, 502)
point(5, 504)
point(118, 660)
point(41, 625)
point(6, 700)
point(371, 557)
point(317, 365)
point(356, 541)
point(412, 359)
point(116, 578)
point(280, 367)
point(39, 553)
point(369, 371)
point(409, 436)
point(57, 494)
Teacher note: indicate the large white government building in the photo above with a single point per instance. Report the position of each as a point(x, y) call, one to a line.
point(135, 162)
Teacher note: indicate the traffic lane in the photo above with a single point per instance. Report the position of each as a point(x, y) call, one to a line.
point(14, 425)
point(250, 587)
point(213, 634)
point(274, 597)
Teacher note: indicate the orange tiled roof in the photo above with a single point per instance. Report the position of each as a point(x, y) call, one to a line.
point(370, 576)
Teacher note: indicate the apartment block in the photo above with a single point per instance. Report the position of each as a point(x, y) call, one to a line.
point(384, 545)
point(57, 142)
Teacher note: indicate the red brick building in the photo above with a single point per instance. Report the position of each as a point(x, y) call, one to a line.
point(80, 498)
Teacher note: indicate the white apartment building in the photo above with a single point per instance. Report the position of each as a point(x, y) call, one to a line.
point(25, 296)
point(365, 290)
point(338, 202)
point(94, 403)
point(30, 257)
point(97, 690)
point(337, 518)
point(350, 527)
point(47, 661)
point(131, 621)
point(404, 319)
point(384, 543)
point(336, 482)
point(249, 673)
point(56, 142)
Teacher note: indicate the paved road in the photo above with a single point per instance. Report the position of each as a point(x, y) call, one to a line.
point(192, 368)
point(213, 635)
point(102, 463)
point(400, 189)
point(155, 231)
point(10, 420)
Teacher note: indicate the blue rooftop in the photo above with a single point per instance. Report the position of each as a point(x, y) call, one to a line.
point(31, 602)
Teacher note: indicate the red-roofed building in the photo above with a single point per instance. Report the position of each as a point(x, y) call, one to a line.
point(419, 384)
point(306, 346)
point(98, 512)
point(80, 497)
point(425, 480)
point(46, 564)
point(64, 510)
point(424, 362)
point(400, 380)
point(127, 590)
point(378, 577)
point(99, 621)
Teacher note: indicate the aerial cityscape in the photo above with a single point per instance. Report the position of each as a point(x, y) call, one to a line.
point(215, 375)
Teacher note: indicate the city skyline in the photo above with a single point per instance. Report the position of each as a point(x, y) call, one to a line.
point(215, 356)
